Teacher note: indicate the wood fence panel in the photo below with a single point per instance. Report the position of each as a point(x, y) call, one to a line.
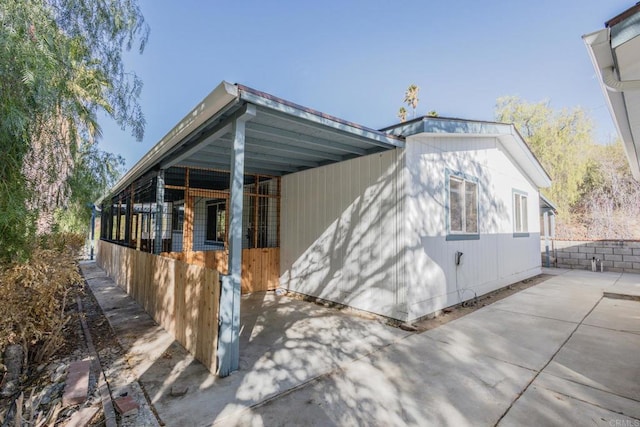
point(184, 299)
point(260, 267)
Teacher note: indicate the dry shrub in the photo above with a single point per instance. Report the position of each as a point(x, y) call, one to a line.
point(34, 297)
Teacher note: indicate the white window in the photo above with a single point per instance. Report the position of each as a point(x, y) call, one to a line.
point(520, 222)
point(463, 206)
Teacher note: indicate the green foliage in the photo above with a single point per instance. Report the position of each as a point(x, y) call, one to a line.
point(402, 114)
point(94, 173)
point(60, 63)
point(411, 97)
point(561, 140)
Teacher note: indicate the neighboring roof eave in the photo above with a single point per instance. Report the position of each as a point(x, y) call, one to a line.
point(599, 48)
point(547, 205)
point(211, 106)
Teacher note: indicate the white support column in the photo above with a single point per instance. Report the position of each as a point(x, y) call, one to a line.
point(545, 223)
point(228, 346)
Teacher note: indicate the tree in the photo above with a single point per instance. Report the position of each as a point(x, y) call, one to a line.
point(561, 140)
point(60, 64)
point(411, 97)
point(610, 202)
point(94, 173)
point(402, 114)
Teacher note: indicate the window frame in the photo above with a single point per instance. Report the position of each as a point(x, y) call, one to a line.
point(516, 200)
point(215, 204)
point(462, 234)
point(177, 217)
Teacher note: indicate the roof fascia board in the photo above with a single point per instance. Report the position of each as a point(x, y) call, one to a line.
point(627, 28)
point(245, 113)
point(220, 99)
point(275, 104)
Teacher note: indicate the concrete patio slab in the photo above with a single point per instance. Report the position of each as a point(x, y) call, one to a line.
point(593, 396)
point(628, 287)
point(283, 343)
point(543, 407)
point(498, 334)
point(417, 382)
point(618, 314)
point(603, 359)
point(570, 306)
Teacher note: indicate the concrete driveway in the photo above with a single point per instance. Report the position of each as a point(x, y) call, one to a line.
point(556, 353)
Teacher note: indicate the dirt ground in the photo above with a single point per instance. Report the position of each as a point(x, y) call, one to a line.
point(43, 384)
point(458, 311)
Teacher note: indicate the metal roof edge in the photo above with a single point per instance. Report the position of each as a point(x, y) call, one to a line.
point(221, 96)
point(548, 202)
point(282, 105)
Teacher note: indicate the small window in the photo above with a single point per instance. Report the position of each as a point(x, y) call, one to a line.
point(463, 208)
point(520, 222)
point(177, 218)
point(216, 221)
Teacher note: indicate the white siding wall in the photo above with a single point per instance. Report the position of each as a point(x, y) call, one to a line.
point(497, 258)
point(339, 233)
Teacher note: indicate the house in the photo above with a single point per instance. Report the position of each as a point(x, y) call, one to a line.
point(401, 222)
point(615, 54)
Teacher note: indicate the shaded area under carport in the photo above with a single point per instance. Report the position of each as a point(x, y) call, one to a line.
point(284, 343)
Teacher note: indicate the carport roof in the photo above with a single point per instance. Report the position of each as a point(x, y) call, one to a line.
point(281, 138)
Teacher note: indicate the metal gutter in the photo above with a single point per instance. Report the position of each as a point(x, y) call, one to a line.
point(220, 99)
point(601, 54)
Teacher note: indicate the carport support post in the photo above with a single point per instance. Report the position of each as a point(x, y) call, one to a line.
point(157, 242)
point(545, 224)
point(229, 342)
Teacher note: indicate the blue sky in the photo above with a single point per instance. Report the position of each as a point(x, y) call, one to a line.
point(354, 59)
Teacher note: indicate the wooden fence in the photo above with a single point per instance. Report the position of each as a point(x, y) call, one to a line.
point(260, 267)
point(183, 298)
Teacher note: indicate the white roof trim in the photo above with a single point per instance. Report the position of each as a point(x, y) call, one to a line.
point(599, 48)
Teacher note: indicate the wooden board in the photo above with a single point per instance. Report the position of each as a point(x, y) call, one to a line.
point(260, 267)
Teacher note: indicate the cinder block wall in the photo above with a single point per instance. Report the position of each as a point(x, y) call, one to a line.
point(616, 255)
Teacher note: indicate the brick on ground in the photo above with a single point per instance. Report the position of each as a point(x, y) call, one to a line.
point(77, 384)
point(126, 406)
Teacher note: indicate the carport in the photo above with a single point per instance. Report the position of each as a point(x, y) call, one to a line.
point(223, 161)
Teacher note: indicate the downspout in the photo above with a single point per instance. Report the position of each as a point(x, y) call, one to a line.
point(614, 84)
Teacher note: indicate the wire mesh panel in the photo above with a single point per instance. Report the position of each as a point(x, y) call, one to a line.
point(144, 212)
point(194, 214)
